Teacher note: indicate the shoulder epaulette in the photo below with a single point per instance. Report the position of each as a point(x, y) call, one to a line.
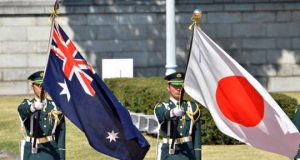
point(26, 101)
point(158, 105)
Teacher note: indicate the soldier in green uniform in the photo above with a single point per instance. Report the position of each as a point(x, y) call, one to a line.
point(296, 121)
point(187, 133)
point(50, 130)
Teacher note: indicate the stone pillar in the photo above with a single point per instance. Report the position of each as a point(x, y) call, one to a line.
point(170, 40)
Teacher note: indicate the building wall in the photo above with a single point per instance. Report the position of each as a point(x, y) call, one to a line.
point(263, 36)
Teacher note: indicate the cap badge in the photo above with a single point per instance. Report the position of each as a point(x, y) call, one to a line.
point(42, 74)
point(178, 75)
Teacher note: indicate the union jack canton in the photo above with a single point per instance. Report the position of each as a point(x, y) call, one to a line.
point(65, 50)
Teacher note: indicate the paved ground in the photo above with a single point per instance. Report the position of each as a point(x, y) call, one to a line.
point(5, 155)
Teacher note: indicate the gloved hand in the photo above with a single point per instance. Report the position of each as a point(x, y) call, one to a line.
point(37, 105)
point(176, 112)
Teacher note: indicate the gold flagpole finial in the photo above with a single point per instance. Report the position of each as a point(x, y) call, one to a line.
point(56, 6)
point(54, 12)
point(197, 14)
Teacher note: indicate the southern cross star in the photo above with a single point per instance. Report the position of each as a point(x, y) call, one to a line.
point(65, 90)
point(112, 136)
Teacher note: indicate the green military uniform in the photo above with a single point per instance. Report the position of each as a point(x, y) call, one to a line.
point(189, 140)
point(296, 121)
point(188, 129)
point(50, 130)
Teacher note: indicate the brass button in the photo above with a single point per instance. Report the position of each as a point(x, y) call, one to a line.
point(45, 118)
point(180, 126)
point(181, 134)
point(44, 126)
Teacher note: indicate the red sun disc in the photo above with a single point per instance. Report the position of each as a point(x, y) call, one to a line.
point(239, 101)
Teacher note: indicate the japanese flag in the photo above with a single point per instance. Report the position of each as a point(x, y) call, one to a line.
point(239, 105)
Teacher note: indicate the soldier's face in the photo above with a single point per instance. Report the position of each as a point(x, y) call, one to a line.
point(174, 91)
point(37, 90)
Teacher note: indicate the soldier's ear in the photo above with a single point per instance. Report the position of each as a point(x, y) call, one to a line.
point(31, 86)
point(168, 87)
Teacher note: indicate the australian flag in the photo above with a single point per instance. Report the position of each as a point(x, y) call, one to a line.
point(88, 103)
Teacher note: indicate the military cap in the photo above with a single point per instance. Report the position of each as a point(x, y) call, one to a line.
point(36, 77)
point(175, 79)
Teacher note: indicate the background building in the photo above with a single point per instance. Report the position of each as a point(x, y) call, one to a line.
point(263, 36)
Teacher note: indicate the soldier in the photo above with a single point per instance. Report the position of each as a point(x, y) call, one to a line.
point(187, 131)
point(48, 132)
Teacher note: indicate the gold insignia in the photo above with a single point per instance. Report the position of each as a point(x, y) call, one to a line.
point(42, 74)
point(178, 75)
point(159, 105)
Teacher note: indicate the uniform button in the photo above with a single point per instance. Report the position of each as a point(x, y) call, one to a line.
point(44, 134)
point(181, 134)
point(45, 118)
point(180, 126)
point(44, 126)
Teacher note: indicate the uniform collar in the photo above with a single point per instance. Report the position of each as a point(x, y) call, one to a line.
point(38, 100)
point(173, 100)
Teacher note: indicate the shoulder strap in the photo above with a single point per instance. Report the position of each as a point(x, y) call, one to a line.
point(22, 126)
point(164, 104)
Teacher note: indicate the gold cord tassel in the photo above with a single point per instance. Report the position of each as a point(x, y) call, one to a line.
point(53, 14)
point(191, 114)
point(55, 114)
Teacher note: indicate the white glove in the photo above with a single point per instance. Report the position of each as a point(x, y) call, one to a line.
point(37, 105)
point(176, 112)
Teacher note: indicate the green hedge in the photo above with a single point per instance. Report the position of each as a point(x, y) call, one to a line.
point(141, 94)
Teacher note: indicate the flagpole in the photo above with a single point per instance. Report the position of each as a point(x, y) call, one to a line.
point(196, 23)
point(52, 17)
point(42, 94)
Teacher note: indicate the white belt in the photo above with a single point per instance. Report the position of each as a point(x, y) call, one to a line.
point(178, 140)
point(40, 140)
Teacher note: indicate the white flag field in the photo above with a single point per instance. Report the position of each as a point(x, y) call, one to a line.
point(239, 105)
